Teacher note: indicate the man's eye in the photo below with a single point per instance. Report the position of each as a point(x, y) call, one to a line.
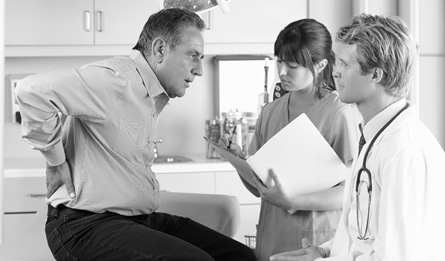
point(340, 63)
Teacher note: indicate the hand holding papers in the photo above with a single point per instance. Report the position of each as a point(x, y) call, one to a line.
point(299, 155)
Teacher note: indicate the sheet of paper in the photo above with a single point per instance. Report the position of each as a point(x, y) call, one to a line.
point(302, 159)
point(238, 163)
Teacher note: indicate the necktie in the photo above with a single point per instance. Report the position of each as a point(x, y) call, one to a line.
point(362, 140)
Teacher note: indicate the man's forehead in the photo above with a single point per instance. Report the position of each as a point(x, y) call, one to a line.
point(345, 51)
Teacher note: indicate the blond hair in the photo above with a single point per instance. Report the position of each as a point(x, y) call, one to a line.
point(383, 42)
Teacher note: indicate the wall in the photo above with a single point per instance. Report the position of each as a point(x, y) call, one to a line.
point(432, 66)
point(2, 68)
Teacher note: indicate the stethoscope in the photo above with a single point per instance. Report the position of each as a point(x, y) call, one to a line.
point(359, 183)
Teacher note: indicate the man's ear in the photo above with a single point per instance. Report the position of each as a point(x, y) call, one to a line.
point(377, 75)
point(159, 49)
point(319, 67)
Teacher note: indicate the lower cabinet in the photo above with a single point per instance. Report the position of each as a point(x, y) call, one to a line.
point(229, 183)
point(22, 197)
point(13, 222)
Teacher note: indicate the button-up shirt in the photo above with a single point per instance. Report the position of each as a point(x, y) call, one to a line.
point(101, 119)
point(406, 213)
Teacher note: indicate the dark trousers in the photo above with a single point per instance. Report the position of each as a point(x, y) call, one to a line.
point(82, 235)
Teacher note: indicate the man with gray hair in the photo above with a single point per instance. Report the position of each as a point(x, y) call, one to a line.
point(102, 192)
point(393, 201)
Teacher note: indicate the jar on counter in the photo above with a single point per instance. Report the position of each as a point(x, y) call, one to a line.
point(235, 124)
point(213, 133)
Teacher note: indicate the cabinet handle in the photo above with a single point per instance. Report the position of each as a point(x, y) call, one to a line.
point(99, 21)
point(37, 195)
point(86, 21)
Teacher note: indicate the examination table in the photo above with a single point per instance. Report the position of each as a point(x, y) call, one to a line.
point(219, 212)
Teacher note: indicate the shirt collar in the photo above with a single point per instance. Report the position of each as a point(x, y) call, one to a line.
point(149, 78)
point(376, 123)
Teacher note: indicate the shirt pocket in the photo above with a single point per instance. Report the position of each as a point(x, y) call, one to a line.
point(131, 141)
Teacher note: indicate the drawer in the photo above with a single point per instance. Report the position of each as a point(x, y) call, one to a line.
point(12, 223)
point(23, 194)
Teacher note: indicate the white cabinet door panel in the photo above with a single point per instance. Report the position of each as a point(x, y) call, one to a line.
point(120, 22)
point(249, 221)
point(23, 194)
point(253, 21)
point(48, 22)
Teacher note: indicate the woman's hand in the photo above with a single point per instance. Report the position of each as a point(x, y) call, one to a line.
point(274, 195)
point(226, 142)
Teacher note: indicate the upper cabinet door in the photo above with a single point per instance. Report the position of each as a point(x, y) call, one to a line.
point(120, 22)
point(49, 22)
point(253, 21)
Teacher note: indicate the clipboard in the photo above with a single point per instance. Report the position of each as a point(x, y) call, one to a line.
point(240, 164)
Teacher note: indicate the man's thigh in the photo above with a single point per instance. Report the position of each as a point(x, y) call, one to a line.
point(217, 245)
point(109, 236)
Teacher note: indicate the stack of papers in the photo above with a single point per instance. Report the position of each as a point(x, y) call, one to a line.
point(299, 155)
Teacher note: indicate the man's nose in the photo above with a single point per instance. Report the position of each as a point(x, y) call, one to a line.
point(198, 69)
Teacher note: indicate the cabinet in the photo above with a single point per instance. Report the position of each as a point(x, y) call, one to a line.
point(251, 26)
point(75, 22)
point(112, 27)
point(229, 183)
point(253, 21)
point(22, 196)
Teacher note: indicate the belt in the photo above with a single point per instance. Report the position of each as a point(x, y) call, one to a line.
point(64, 210)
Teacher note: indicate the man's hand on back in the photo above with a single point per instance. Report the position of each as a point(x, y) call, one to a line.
point(57, 176)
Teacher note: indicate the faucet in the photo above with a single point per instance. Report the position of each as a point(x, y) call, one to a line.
point(155, 147)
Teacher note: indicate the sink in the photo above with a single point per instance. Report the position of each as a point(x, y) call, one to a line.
point(171, 159)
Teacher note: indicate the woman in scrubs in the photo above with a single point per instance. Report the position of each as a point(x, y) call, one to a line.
point(305, 61)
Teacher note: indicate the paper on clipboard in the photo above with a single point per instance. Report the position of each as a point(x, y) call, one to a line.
point(238, 163)
point(299, 155)
point(301, 158)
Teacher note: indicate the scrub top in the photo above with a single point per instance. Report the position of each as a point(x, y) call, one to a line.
point(278, 230)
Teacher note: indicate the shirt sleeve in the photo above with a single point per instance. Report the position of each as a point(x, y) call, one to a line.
point(82, 93)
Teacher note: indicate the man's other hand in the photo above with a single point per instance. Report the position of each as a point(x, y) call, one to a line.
point(57, 176)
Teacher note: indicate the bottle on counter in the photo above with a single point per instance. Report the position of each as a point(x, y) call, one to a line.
point(263, 97)
point(213, 133)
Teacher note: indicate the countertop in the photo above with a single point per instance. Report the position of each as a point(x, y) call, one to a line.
point(19, 167)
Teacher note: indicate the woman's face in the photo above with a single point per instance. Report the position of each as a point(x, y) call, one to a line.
point(293, 76)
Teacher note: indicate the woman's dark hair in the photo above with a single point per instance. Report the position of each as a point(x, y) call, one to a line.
point(307, 42)
point(167, 24)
